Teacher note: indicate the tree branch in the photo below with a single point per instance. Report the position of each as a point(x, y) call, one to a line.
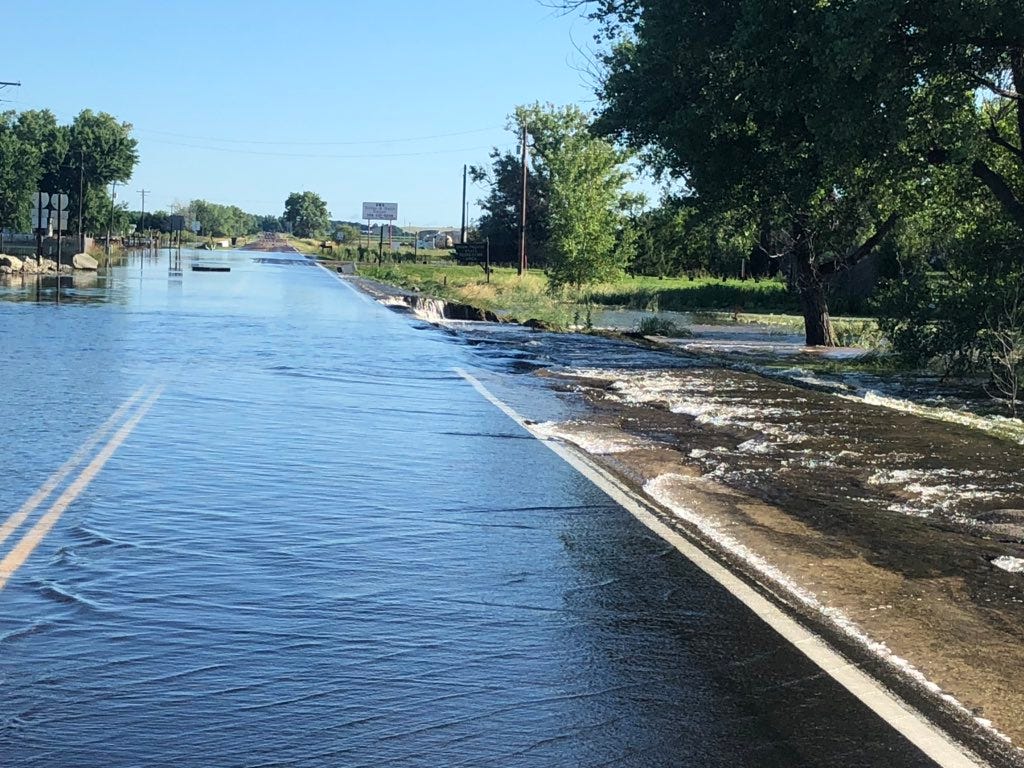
point(858, 253)
point(997, 184)
point(996, 138)
point(998, 90)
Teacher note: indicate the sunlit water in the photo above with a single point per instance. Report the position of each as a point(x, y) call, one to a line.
point(323, 548)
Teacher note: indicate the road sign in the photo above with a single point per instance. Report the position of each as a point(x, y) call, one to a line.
point(177, 222)
point(380, 211)
point(472, 253)
point(59, 201)
point(40, 217)
point(196, 226)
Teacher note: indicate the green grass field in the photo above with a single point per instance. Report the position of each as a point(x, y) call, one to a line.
point(699, 294)
point(528, 297)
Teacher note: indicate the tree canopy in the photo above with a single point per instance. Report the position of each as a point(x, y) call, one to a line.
point(90, 153)
point(307, 214)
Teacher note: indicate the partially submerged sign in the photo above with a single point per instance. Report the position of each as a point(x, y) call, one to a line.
point(380, 211)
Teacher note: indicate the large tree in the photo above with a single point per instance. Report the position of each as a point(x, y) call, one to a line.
point(971, 53)
point(499, 222)
point(307, 214)
point(19, 168)
point(90, 153)
point(765, 107)
point(587, 201)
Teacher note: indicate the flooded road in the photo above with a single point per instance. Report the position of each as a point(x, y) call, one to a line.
point(320, 546)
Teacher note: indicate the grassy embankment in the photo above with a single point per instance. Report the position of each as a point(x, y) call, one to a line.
point(706, 300)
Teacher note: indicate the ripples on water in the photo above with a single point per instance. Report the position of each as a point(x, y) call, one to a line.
point(322, 548)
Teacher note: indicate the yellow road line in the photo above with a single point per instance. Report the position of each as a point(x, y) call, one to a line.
point(17, 518)
point(27, 544)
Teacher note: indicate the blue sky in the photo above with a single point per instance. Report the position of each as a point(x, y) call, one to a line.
point(243, 102)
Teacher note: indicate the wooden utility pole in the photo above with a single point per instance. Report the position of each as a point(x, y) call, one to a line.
point(464, 171)
point(142, 218)
point(522, 213)
point(81, 200)
point(110, 221)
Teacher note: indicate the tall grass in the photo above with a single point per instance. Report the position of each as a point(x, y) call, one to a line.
point(682, 295)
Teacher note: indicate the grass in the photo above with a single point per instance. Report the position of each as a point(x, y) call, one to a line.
point(685, 295)
point(659, 326)
point(507, 294)
point(521, 299)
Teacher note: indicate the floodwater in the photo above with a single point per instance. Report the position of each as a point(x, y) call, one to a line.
point(847, 444)
point(321, 547)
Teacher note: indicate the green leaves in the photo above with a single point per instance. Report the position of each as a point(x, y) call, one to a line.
point(307, 213)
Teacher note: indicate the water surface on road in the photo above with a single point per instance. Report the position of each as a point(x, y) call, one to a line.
point(321, 547)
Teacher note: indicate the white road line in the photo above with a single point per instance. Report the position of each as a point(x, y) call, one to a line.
point(27, 544)
point(911, 724)
point(12, 523)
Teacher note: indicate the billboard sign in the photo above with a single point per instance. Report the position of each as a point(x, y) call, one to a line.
point(380, 211)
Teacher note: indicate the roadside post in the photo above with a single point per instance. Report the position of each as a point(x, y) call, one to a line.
point(381, 212)
point(475, 253)
point(62, 201)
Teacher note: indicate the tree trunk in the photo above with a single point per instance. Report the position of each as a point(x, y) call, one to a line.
point(760, 261)
point(1017, 69)
point(811, 289)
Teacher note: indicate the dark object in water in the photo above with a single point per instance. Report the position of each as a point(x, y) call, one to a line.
point(206, 266)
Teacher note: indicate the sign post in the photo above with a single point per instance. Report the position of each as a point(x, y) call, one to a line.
point(475, 253)
point(381, 212)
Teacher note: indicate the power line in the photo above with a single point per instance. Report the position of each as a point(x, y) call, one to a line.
point(317, 155)
point(319, 143)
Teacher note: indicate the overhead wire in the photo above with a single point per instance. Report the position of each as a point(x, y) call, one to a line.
point(317, 143)
point(318, 155)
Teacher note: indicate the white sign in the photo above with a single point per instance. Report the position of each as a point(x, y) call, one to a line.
point(380, 211)
point(196, 226)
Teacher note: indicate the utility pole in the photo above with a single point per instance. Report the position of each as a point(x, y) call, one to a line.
point(464, 171)
point(522, 214)
point(81, 199)
point(142, 220)
point(110, 223)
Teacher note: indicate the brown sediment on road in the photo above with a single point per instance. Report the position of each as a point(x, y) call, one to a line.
point(915, 600)
point(270, 245)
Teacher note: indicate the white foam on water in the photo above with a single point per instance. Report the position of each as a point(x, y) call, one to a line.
point(694, 395)
point(1009, 563)
point(591, 440)
point(934, 490)
point(669, 491)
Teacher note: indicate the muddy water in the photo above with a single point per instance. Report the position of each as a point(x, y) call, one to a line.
point(785, 442)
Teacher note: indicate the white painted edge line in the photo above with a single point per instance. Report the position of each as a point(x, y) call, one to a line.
point(907, 721)
point(341, 279)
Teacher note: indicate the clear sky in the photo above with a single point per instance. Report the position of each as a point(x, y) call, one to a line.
point(243, 101)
